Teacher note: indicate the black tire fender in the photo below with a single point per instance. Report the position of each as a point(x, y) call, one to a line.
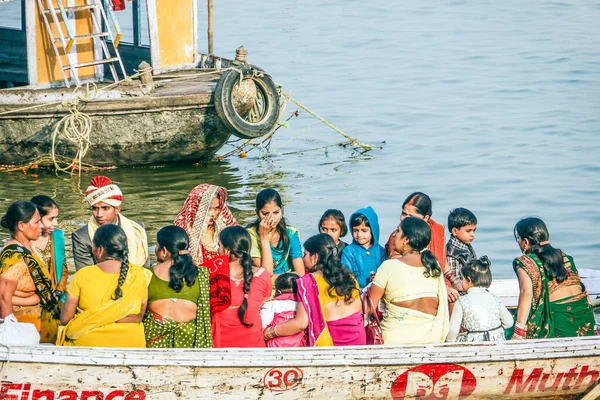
point(223, 101)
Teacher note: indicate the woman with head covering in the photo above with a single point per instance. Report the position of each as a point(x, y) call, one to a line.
point(203, 216)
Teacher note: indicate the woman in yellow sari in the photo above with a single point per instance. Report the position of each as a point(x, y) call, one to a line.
point(106, 302)
point(412, 288)
point(25, 286)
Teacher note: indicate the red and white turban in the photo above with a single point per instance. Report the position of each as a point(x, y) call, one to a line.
point(102, 189)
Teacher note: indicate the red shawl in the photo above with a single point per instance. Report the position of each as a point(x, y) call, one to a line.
point(194, 218)
point(220, 286)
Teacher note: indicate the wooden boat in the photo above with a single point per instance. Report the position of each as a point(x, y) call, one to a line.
point(182, 106)
point(550, 368)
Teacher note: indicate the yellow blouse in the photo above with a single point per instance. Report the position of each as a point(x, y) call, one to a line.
point(94, 287)
point(324, 296)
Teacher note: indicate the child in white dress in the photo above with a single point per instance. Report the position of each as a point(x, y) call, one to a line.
point(480, 313)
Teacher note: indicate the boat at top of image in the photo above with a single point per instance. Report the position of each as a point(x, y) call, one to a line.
point(561, 368)
point(60, 96)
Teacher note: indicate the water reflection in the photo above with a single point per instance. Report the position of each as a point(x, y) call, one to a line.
point(152, 195)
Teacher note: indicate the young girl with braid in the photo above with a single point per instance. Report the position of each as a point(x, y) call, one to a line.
point(106, 301)
point(240, 324)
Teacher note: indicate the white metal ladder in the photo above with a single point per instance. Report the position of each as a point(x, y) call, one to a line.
point(99, 20)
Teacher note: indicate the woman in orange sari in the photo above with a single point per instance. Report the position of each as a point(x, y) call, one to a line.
point(25, 286)
point(418, 205)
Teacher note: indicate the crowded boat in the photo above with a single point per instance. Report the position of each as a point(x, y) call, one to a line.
point(218, 284)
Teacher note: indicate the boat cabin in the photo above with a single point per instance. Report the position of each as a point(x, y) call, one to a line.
point(49, 43)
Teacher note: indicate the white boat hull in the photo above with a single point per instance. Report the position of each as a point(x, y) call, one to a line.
point(552, 368)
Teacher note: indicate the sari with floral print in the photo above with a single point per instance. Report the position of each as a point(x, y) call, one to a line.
point(567, 317)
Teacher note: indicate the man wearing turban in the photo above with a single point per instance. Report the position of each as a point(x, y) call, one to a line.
point(105, 198)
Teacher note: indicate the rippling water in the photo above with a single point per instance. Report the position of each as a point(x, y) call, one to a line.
point(490, 106)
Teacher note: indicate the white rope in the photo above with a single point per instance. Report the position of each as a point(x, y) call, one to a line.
point(75, 127)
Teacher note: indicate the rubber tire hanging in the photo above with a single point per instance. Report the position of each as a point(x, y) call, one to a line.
point(229, 116)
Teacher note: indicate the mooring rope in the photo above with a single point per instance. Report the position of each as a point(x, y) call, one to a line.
point(76, 127)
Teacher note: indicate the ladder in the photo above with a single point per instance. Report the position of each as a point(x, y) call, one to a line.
point(50, 14)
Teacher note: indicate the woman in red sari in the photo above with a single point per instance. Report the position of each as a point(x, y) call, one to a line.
point(240, 324)
point(203, 216)
point(418, 205)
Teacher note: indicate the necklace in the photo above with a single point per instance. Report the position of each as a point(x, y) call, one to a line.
point(210, 241)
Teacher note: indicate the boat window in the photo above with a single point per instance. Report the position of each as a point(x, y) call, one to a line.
point(11, 14)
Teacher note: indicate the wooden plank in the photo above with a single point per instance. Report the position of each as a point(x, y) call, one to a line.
point(525, 369)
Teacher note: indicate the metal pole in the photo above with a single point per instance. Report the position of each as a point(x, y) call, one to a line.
point(137, 27)
point(210, 26)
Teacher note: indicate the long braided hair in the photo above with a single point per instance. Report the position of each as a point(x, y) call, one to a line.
point(114, 242)
point(338, 277)
point(535, 230)
point(176, 240)
point(237, 240)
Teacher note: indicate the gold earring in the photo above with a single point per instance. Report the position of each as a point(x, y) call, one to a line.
point(405, 247)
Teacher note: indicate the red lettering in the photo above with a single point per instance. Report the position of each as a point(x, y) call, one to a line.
point(6, 387)
point(544, 388)
point(290, 378)
point(26, 389)
point(136, 395)
point(276, 375)
point(112, 395)
point(593, 374)
point(95, 394)
point(530, 383)
point(68, 395)
point(43, 394)
point(568, 378)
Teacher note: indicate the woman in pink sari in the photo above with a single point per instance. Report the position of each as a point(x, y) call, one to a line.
point(328, 300)
point(203, 216)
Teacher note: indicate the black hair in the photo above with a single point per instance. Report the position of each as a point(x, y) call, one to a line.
point(336, 275)
point(460, 217)
point(19, 211)
point(478, 271)
point(286, 282)
point(357, 218)
point(421, 202)
point(114, 242)
point(238, 241)
point(534, 229)
point(44, 204)
point(418, 233)
point(266, 196)
point(338, 217)
point(175, 239)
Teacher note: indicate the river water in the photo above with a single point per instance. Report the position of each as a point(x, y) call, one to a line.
point(485, 105)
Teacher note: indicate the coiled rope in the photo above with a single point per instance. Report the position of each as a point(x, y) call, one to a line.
point(76, 127)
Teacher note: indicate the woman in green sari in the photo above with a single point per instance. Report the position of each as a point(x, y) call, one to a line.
point(552, 300)
point(178, 313)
